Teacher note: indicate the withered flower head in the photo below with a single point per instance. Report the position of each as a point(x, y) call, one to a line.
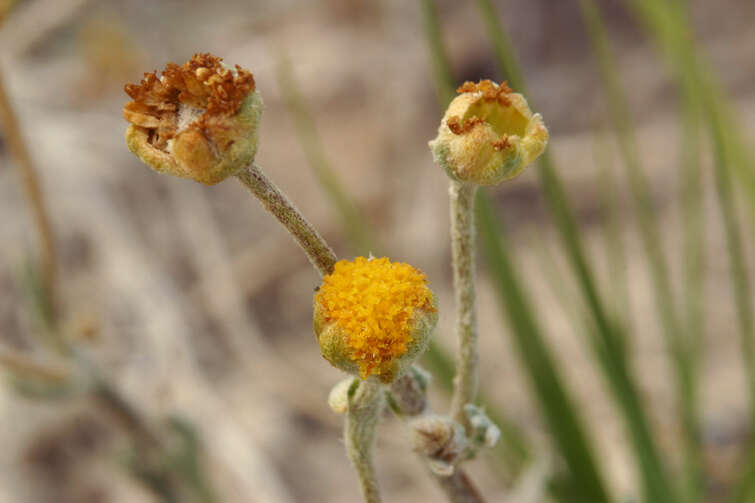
point(198, 120)
point(488, 134)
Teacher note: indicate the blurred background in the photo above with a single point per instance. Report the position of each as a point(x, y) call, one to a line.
point(189, 371)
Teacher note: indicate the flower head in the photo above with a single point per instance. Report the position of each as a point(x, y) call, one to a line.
point(488, 134)
point(198, 120)
point(374, 316)
point(441, 439)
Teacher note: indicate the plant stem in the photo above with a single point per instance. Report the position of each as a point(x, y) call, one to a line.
point(463, 250)
point(410, 400)
point(274, 201)
point(458, 487)
point(365, 405)
point(367, 402)
point(33, 190)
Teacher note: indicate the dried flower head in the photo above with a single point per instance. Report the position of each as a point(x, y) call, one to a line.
point(374, 316)
point(441, 439)
point(198, 120)
point(488, 134)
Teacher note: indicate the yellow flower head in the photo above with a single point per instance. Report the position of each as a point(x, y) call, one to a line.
point(374, 316)
point(488, 134)
point(198, 120)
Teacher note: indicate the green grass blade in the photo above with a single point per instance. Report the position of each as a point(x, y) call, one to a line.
point(613, 230)
point(742, 291)
point(557, 407)
point(444, 80)
point(698, 88)
point(673, 35)
point(639, 186)
point(693, 235)
point(353, 222)
point(745, 487)
point(570, 303)
point(502, 47)
point(606, 339)
point(672, 32)
point(691, 195)
point(726, 156)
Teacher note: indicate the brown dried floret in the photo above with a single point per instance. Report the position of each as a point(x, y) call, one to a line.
point(458, 127)
point(489, 91)
point(467, 87)
point(501, 144)
point(202, 83)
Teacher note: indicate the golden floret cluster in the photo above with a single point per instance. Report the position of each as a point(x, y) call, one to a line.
point(374, 301)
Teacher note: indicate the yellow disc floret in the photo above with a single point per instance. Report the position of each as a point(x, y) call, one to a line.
point(376, 311)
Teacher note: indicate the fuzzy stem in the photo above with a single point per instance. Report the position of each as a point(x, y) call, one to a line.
point(463, 249)
point(274, 201)
point(365, 405)
point(367, 402)
point(458, 487)
point(409, 399)
point(33, 191)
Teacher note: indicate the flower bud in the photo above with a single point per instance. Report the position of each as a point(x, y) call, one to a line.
point(440, 439)
point(408, 393)
point(488, 134)
point(198, 120)
point(374, 317)
point(484, 430)
point(338, 398)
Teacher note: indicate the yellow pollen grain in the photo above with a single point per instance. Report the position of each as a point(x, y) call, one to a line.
point(373, 302)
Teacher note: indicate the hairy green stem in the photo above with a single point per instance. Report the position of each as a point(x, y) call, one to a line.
point(365, 404)
point(463, 250)
point(367, 400)
point(274, 201)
